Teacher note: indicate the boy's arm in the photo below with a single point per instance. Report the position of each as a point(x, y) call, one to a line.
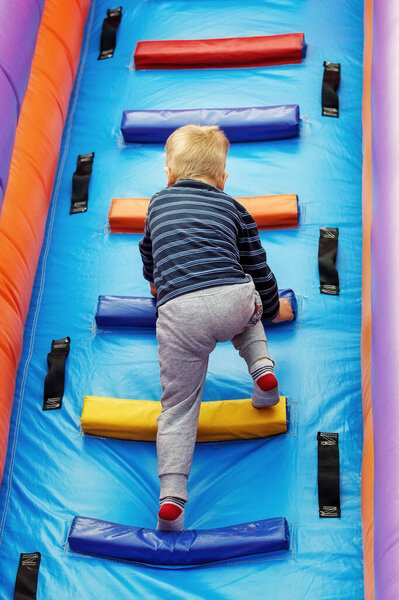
point(145, 247)
point(253, 261)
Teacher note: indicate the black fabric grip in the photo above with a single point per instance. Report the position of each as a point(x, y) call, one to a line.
point(108, 34)
point(328, 246)
point(55, 378)
point(329, 96)
point(27, 574)
point(328, 475)
point(80, 183)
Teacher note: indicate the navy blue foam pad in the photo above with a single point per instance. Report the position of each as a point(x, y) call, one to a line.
point(181, 548)
point(135, 311)
point(239, 124)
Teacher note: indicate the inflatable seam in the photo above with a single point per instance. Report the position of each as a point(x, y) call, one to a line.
point(13, 244)
point(3, 295)
point(67, 51)
point(40, 7)
point(51, 90)
point(12, 86)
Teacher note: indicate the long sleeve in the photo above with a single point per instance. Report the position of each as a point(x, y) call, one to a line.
point(253, 261)
point(145, 247)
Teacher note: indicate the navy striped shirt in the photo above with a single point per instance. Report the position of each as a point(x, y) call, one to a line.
point(196, 237)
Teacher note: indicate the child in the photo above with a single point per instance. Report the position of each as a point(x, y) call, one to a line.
point(203, 258)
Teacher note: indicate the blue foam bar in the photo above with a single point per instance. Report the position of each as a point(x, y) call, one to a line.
point(191, 547)
point(239, 124)
point(126, 311)
point(135, 311)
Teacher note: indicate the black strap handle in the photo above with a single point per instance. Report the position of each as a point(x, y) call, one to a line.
point(328, 475)
point(55, 378)
point(80, 183)
point(328, 247)
point(27, 575)
point(329, 95)
point(108, 34)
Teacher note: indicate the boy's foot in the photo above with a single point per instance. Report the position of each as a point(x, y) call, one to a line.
point(265, 384)
point(261, 398)
point(171, 514)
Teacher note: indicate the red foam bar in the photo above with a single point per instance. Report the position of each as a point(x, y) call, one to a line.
point(258, 51)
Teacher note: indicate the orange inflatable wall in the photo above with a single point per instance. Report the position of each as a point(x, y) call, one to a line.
point(32, 172)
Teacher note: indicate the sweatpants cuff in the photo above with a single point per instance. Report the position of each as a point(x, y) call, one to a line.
point(174, 484)
point(254, 351)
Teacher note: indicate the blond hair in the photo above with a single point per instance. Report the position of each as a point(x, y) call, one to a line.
point(193, 151)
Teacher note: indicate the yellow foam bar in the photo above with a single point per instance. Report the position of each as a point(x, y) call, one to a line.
point(220, 420)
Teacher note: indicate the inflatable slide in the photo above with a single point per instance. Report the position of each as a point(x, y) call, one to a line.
point(297, 501)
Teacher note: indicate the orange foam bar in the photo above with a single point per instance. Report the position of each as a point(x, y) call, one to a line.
point(127, 215)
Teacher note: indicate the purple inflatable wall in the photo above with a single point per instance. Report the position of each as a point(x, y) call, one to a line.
point(19, 25)
point(384, 294)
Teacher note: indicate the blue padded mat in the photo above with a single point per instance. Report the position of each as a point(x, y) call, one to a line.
point(53, 471)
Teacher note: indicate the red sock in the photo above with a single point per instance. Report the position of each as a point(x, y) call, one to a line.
point(267, 382)
point(169, 511)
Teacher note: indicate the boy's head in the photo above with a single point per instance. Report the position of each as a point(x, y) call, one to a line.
point(197, 152)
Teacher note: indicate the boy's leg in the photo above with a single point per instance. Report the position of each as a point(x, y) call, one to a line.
point(252, 346)
point(184, 346)
point(182, 383)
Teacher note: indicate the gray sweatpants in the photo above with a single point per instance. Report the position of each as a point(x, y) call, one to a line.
point(188, 328)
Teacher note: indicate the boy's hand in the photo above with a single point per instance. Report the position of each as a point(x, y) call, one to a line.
point(285, 313)
point(153, 289)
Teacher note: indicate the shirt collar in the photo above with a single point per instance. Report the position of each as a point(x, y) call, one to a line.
point(195, 183)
